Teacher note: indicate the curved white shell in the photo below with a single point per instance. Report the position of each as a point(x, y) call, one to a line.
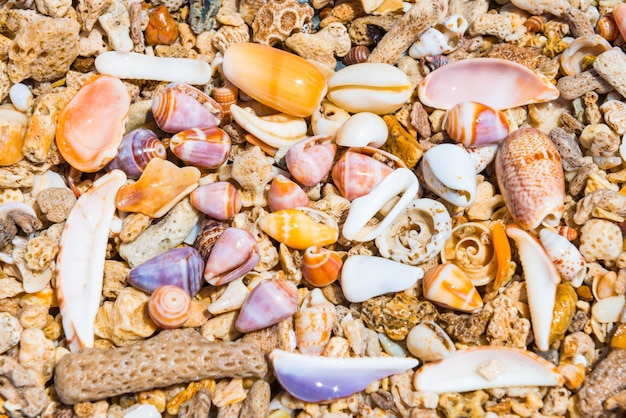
point(364, 277)
point(400, 181)
point(279, 130)
point(418, 234)
point(442, 38)
point(486, 367)
point(328, 118)
point(586, 45)
point(450, 172)
point(495, 82)
point(483, 156)
point(363, 129)
point(568, 261)
point(429, 342)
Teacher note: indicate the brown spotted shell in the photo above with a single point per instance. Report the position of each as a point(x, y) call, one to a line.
point(530, 177)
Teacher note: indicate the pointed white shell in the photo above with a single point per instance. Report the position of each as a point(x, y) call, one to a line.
point(364, 129)
point(483, 156)
point(569, 262)
point(364, 277)
point(279, 130)
point(486, 367)
point(450, 172)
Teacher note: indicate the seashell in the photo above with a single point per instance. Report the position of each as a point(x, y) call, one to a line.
point(162, 28)
point(219, 200)
point(356, 55)
point(567, 231)
point(475, 124)
point(181, 267)
point(80, 261)
point(429, 342)
point(609, 309)
point(619, 14)
point(614, 113)
point(91, 125)
point(206, 147)
point(12, 131)
point(369, 87)
point(21, 96)
point(313, 323)
point(450, 173)
point(319, 378)
point(564, 310)
point(231, 299)
point(448, 286)
point(359, 170)
point(579, 49)
point(169, 306)
point(296, 229)
point(541, 280)
point(364, 277)
point(233, 255)
point(486, 367)
point(309, 161)
point(142, 411)
point(279, 130)
point(210, 231)
point(278, 79)
point(603, 285)
point(530, 177)
point(607, 27)
point(402, 182)
point(363, 129)
point(483, 156)
point(495, 82)
point(180, 106)
point(328, 118)
point(503, 254)
point(320, 266)
point(440, 39)
point(268, 303)
point(471, 249)
point(568, 261)
point(285, 194)
point(136, 150)
point(160, 187)
point(226, 96)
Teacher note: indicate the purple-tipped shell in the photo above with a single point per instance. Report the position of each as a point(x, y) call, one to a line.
point(181, 106)
point(180, 267)
point(234, 254)
point(270, 302)
point(311, 159)
point(206, 147)
point(219, 200)
point(210, 231)
point(136, 150)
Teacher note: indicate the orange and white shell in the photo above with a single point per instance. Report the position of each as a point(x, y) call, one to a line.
point(296, 229)
point(169, 306)
point(530, 177)
point(474, 124)
point(447, 285)
point(313, 323)
point(321, 266)
point(285, 194)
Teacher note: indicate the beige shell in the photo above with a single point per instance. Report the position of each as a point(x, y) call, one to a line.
point(581, 47)
point(530, 177)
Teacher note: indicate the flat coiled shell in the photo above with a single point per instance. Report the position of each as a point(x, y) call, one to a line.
point(169, 306)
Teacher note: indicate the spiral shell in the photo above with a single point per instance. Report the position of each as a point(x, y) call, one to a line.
point(226, 96)
point(206, 147)
point(356, 55)
point(568, 261)
point(210, 231)
point(169, 306)
point(581, 48)
point(285, 194)
point(320, 266)
point(220, 200)
point(296, 229)
point(311, 159)
point(470, 247)
point(181, 106)
point(474, 124)
point(233, 255)
point(270, 302)
point(136, 150)
point(313, 323)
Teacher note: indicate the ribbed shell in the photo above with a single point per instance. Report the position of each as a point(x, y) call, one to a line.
point(530, 177)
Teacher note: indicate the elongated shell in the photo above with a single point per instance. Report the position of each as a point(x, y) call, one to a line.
point(447, 285)
point(270, 302)
point(219, 200)
point(12, 131)
point(309, 161)
point(450, 173)
point(320, 266)
point(296, 229)
point(278, 79)
point(181, 106)
point(474, 124)
point(314, 322)
point(530, 177)
point(569, 262)
point(275, 131)
point(138, 147)
point(169, 306)
point(206, 147)
point(495, 82)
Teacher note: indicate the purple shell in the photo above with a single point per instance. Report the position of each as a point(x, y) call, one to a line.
point(181, 106)
point(268, 303)
point(233, 255)
point(180, 267)
point(136, 150)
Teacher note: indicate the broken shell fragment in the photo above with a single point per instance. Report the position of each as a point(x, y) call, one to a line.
point(320, 266)
point(429, 342)
point(495, 82)
point(569, 262)
point(450, 172)
point(219, 200)
point(589, 45)
point(279, 130)
point(474, 124)
point(268, 303)
point(309, 161)
point(138, 147)
point(233, 255)
point(296, 229)
point(181, 106)
point(12, 130)
point(486, 367)
point(91, 125)
point(441, 39)
point(319, 378)
point(285, 194)
point(206, 147)
point(328, 119)
point(364, 277)
point(363, 129)
point(169, 306)
point(449, 286)
point(276, 78)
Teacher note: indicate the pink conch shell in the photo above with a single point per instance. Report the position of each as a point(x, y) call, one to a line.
point(160, 187)
point(530, 177)
point(270, 302)
point(234, 254)
point(285, 194)
point(91, 125)
point(494, 82)
point(313, 323)
point(311, 159)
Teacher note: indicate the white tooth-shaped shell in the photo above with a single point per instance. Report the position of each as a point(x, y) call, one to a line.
point(495, 82)
point(581, 47)
point(364, 129)
point(541, 279)
point(279, 130)
point(429, 342)
point(442, 38)
point(231, 299)
point(486, 367)
point(328, 118)
point(400, 181)
point(450, 172)
point(483, 156)
point(417, 234)
point(364, 277)
point(569, 262)
point(369, 87)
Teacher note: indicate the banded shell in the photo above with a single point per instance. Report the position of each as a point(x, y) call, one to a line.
point(309, 161)
point(450, 173)
point(181, 267)
point(356, 55)
point(495, 82)
point(474, 124)
point(448, 286)
point(278, 79)
point(285, 194)
point(219, 200)
point(232, 256)
point(530, 177)
point(169, 307)
point(268, 303)
point(138, 147)
point(471, 248)
point(12, 130)
point(361, 130)
point(226, 96)
point(568, 261)
point(589, 45)
point(180, 106)
point(296, 229)
point(91, 125)
point(320, 266)
point(210, 231)
point(206, 147)
point(313, 323)
point(429, 342)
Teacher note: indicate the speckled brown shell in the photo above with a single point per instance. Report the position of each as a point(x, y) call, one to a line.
point(530, 178)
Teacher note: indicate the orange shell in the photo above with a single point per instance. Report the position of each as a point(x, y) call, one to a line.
point(320, 266)
point(91, 125)
point(12, 131)
point(447, 285)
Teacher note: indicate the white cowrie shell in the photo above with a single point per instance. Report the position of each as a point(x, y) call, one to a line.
point(280, 130)
point(364, 129)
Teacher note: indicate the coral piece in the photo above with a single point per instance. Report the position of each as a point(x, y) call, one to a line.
point(333, 40)
point(22, 394)
point(401, 143)
point(276, 20)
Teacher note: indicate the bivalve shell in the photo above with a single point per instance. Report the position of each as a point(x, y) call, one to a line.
point(448, 286)
point(169, 306)
point(580, 48)
point(474, 124)
point(450, 172)
point(270, 302)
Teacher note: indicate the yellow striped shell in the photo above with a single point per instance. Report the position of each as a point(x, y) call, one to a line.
point(296, 229)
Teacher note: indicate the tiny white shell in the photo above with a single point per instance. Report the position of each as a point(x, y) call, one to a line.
point(442, 38)
point(568, 261)
point(21, 96)
point(483, 156)
point(450, 172)
point(429, 342)
point(363, 129)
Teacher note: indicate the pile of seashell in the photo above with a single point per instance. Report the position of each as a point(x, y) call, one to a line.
point(324, 208)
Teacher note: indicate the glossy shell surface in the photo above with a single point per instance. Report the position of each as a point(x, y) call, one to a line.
point(138, 147)
point(206, 147)
point(181, 106)
point(448, 286)
point(219, 200)
point(270, 302)
point(169, 306)
point(450, 172)
point(309, 161)
point(474, 124)
point(296, 229)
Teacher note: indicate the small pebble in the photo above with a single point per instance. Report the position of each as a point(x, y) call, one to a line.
point(21, 96)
